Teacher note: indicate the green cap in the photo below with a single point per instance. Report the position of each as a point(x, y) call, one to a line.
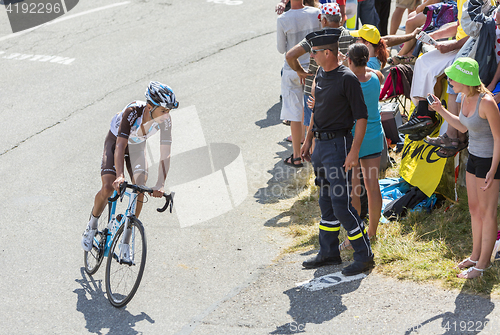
point(464, 70)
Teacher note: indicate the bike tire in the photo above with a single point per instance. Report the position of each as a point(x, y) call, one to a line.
point(122, 280)
point(92, 259)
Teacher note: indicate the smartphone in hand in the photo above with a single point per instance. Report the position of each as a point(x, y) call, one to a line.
point(430, 99)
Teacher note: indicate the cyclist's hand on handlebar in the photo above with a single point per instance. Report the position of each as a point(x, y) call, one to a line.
point(158, 192)
point(116, 184)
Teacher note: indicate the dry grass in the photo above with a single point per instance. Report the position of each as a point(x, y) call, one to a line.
point(421, 247)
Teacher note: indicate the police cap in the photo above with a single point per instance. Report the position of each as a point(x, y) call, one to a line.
point(323, 37)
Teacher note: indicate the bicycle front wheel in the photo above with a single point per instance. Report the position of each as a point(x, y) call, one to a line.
point(124, 273)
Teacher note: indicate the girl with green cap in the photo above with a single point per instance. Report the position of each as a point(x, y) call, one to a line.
point(479, 115)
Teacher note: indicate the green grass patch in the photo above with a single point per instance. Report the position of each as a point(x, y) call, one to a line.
point(422, 247)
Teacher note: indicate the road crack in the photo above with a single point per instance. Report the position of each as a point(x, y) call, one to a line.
point(176, 67)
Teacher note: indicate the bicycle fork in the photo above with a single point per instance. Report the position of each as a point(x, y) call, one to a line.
point(127, 244)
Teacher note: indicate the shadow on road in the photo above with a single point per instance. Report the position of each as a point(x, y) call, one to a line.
point(469, 317)
point(316, 307)
point(98, 312)
point(286, 181)
point(273, 117)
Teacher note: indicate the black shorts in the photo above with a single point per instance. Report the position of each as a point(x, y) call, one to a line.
point(135, 157)
point(370, 156)
point(480, 166)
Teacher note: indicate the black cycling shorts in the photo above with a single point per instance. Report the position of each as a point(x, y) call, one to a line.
point(135, 157)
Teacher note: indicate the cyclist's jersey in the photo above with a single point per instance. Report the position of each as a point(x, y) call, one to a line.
point(127, 124)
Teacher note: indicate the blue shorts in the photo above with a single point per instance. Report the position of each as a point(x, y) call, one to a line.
point(307, 111)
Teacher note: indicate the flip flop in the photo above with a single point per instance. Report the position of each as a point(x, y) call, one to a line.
point(290, 161)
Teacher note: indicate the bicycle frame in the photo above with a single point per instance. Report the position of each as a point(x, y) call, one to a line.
point(129, 213)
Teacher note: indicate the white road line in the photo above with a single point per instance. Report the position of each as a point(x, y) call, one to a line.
point(40, 58)
point(64, 18)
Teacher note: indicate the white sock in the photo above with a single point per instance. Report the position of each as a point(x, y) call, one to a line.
point(93, 221)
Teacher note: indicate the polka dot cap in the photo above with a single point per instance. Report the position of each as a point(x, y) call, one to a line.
point(329, 8)
point(497, 40)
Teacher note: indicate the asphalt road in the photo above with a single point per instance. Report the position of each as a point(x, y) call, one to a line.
point(213, 265)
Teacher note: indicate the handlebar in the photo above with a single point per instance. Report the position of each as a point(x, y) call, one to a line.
point(169, 198)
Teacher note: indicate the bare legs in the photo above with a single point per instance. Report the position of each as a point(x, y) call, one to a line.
point(397, 15)
point(297, 134)
point(483, 212)
point(414, 21)
point(370, 168)
point(101, 198)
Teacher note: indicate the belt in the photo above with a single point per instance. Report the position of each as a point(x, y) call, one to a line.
point(328, 135)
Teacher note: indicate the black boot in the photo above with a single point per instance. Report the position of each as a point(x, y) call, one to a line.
point(421, 123)
point(329, 253)
point(363, 255)
point(358, 267)
point(318, 261)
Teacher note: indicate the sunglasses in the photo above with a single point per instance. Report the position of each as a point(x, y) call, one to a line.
point(316, 51)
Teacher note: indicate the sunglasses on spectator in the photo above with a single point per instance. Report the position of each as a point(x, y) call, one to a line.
point(316, 51)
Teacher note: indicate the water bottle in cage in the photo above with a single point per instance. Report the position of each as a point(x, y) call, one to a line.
point(113, 226)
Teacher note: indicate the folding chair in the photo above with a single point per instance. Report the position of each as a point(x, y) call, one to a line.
point(397, 86)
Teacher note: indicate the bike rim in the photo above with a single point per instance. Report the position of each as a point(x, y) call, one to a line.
point(124, 279)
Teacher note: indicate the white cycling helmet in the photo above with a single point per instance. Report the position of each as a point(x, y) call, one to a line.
point(161, 95)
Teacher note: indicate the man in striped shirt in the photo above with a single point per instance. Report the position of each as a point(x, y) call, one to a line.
point(330, 18)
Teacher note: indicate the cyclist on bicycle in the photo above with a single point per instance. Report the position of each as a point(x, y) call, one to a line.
point(126, 143)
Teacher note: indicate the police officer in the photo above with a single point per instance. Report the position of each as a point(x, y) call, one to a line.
point(338, 104)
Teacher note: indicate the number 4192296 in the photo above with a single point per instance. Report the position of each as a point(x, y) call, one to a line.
point(464, 326)
point(34, 8)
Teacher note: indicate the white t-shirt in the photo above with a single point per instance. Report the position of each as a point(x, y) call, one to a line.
point(293, 26)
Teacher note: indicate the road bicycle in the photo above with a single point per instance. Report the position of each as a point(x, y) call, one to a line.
point(121, 238)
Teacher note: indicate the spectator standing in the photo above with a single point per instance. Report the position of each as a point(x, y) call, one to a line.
point(283, 4)
point(480, 116)
point(383, 8)
point(373, 141)
point(330, 18)
point(367, 13)
point(370, 36)
point(338, 105)
point(292, 27)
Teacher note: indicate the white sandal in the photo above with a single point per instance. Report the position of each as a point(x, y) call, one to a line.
point(461, 265)
point(466, 273)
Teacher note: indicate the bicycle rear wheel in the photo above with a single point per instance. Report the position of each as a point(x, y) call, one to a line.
point(92, 259)
point(123, 278)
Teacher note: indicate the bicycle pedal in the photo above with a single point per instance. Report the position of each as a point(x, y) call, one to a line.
point(129, 262)
point(116, 257)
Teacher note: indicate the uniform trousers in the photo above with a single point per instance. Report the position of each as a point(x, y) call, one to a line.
point(328, 159)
